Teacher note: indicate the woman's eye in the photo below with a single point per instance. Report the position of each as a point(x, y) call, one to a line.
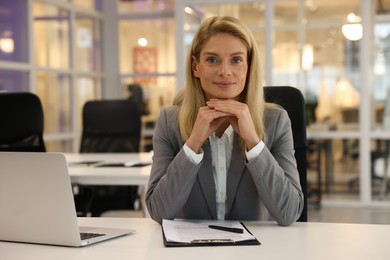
point(212, 60)
point(236, 60)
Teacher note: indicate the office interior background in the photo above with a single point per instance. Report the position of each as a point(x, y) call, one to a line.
point(336, 52)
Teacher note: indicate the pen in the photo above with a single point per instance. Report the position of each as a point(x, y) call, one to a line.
point(228, 229)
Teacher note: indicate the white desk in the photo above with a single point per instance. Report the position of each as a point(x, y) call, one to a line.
point(85, 175)
point(109, 175)
point(311, 241)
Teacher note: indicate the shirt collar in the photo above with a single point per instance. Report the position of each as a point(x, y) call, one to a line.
point(228, 134)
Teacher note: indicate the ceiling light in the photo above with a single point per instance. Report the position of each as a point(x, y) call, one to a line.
point(353, 30)
point(307, 57)
point(142, 42)
point(7, 45)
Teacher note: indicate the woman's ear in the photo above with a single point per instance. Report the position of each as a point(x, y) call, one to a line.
point(194, 66)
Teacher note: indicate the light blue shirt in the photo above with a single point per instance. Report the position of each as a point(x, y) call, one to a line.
point(221, 152)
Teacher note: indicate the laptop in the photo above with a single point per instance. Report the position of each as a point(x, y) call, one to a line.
point(37, 204)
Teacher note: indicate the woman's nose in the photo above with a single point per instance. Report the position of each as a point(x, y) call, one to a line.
point(224, 69)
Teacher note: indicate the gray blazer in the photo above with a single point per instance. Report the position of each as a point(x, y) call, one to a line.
point(266, 188)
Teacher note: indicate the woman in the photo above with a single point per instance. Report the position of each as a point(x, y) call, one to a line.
point(221, 152)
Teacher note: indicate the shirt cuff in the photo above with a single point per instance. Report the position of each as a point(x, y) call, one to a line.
point(255, 151)
point(196, 158)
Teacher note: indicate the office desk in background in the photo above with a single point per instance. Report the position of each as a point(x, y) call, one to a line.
point(323, 139)
point(319, 241)
point(325, 143)
point(90, 175)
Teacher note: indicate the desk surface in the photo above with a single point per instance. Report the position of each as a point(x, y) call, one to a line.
point(109, 175)
point(299, 241)
point(89, 175)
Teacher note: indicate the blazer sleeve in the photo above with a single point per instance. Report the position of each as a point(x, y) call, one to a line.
point(172, 175)
point(275, 171)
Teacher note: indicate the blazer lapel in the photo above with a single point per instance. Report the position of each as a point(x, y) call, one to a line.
point(236, 169)
point(206, 179)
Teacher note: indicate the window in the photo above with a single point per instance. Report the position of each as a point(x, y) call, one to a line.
point(13, 31)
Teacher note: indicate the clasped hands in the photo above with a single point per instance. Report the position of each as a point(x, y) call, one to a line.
point(215, 114)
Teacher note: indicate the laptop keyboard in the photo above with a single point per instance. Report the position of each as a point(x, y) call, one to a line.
point(90, 235)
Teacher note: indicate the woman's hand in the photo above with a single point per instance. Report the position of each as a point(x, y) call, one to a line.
point(207, 122)
point(239, 117)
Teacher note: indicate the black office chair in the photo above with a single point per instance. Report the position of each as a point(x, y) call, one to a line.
point(109, 126)
point(22, 122)
point(292, 100)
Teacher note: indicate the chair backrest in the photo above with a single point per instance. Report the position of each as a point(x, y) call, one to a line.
point(111, 126)
point(22, 122)
point(292, 100)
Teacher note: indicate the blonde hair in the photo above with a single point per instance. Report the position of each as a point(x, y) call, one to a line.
point(193, 97)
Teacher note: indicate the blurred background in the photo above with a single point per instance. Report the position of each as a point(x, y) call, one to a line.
point(336, 52)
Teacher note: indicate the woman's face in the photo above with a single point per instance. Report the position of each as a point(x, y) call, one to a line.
point(222, 67)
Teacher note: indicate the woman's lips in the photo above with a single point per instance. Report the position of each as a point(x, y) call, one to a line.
point(224, 84)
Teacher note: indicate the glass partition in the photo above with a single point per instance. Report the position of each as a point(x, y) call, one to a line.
point(13, 31)
point(147, 46)
point(333, 168)
point(54, 91)
point(381, 71)
point(90, 4)
point(14, 81)
point(380, 169)
point(158, 92)
point(285, 54)
point(147, 58)
point(87, 44)
point(86, 88)
point(51, 36)
point(137, 7)
point(64, 146)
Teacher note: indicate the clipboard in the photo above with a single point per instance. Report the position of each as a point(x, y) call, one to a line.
point(223, 241)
